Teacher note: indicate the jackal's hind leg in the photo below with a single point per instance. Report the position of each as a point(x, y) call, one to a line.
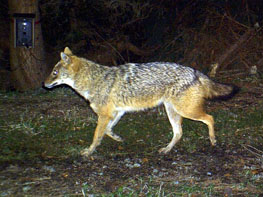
point(191, 106)
point(209, 121)
point(176, 121)
point(111, 124)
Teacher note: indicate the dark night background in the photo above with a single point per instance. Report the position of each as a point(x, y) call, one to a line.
point(196, 33)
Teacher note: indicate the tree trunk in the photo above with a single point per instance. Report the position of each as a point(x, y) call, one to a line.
point(28, 65)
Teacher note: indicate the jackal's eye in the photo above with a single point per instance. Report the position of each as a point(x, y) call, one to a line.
point(55, 72)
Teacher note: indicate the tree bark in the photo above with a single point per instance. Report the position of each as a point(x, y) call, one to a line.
point(28, 65)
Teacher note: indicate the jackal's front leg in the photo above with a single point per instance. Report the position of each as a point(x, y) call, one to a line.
point(111, 124)
point(103, 121)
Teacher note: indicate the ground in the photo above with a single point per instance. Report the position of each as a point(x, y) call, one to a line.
point(42, 132)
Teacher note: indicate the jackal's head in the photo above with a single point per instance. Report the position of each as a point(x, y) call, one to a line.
point(63, 72)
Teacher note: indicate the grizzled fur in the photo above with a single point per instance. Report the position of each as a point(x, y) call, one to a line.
point(112, 91)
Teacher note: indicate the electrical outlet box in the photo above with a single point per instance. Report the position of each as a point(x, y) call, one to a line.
point(24, 30)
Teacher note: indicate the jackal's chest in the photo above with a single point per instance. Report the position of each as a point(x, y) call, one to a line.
point(85, 94)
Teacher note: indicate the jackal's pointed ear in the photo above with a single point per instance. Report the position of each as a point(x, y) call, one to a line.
point(65, 58)
point(67, 51)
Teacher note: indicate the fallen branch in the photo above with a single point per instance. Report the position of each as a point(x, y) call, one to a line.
point(254, 151)
point(237, 45)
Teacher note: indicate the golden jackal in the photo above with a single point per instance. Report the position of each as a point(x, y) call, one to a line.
point(112, 91)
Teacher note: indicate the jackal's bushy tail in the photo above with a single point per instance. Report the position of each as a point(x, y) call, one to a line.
point(217, 90)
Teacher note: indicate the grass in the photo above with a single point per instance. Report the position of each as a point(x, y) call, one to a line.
point(150, 188)
point(30, 134)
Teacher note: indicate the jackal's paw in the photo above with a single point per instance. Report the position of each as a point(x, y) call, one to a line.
point(86, 152)
point(118, 138)
point(164, 150)
point(213, 141)
point(114, 136)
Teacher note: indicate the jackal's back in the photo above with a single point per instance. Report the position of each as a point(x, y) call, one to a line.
point(151, 78)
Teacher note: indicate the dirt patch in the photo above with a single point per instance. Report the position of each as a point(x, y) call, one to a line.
point(106, 175)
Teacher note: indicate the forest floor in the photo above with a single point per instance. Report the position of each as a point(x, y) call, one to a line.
point(42, 132)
